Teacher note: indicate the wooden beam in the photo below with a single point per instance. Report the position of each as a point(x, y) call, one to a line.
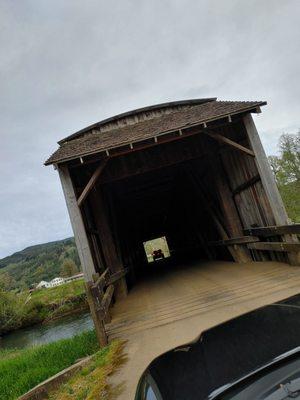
point(269, 184)
point(116, 276)
point(230, 142)
point(246, 185)
point(92, 181)
point(98, 321)
point(233, 241)
point(229, 210)
point(102, 281)
point(265, 172)
point(108, 244)
point(77, 223)
point(107, 298)
point(275, 246)
point(238, 254)
point(274, 230)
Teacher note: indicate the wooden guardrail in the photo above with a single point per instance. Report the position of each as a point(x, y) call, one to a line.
point(273, 230)
point(252, 238)
point(233, 241)
point(275, 246)
point(100, 295)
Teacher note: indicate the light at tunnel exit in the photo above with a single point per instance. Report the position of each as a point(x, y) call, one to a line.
point(156, 249)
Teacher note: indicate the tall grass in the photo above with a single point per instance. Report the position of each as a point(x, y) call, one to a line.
point(24, 369)
point(52, 295)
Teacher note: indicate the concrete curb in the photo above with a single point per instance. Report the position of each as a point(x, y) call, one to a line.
point(41, 390)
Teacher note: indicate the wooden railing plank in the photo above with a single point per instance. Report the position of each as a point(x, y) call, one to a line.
point(273, 230)
point(275, 246)
point(107, 298)
point(233, 241)
point(102, 281)
point(116, 276)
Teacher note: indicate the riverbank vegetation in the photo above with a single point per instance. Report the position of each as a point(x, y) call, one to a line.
point(21, 370)
point(22, 309)
point(92, 381)
point(286, 168)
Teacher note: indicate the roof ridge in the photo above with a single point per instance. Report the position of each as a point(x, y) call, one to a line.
point(137, 111)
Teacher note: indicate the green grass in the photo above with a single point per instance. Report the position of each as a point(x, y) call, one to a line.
point(92, 381)
point(23, 369)
point(52, 295)
point(22, 309)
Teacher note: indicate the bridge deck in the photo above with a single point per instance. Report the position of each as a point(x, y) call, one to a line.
point(173, 307)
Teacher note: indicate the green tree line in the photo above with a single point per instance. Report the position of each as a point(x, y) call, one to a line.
point(24, 269)
point(286, 168)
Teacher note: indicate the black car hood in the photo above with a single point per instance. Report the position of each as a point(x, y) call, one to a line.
point(228, 352)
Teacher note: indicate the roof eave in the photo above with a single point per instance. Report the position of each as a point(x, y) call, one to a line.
point(133, 112)
point(205, 121)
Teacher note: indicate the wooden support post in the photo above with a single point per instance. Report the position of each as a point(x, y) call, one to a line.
point(83, 248)
point(80, 235)
point(233, 222)
point(234, 250)
point(112, 259)
point(269, 184)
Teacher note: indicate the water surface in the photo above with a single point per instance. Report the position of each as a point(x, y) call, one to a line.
point(40, 334)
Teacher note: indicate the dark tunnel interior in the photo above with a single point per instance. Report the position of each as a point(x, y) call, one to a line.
point(166, 202)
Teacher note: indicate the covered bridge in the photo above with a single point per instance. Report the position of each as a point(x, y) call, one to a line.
point(192, 171)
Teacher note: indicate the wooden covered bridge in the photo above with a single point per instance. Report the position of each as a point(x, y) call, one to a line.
point(192, 171)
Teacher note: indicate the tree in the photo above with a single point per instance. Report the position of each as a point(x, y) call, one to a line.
point(286, 168)
point(7, 282)
point(290, 157)
point(68, 268)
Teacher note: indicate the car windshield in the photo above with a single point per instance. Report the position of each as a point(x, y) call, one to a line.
point(279, 383)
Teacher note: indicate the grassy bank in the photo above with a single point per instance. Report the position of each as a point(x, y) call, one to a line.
point(24, 309)
point(21, 370)
point(91, 382)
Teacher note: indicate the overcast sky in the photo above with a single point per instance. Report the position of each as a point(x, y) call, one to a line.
point(67, 64)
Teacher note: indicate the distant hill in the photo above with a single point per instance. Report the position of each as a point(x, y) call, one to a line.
point(35, 263)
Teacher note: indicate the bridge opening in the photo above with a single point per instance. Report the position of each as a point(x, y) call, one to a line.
point(156, 249)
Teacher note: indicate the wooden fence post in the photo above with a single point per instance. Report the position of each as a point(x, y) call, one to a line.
point(98, 322)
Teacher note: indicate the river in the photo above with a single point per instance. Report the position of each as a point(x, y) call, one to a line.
point(40, 334)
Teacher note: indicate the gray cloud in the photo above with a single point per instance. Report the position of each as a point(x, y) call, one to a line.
point(65, 64)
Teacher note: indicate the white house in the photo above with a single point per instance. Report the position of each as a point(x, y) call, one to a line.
point(57, 282)
point(43, 284)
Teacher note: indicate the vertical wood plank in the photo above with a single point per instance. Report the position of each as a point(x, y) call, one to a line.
point(110, 252)
point(269, 183)
point(81, 239)
point(83, 248)
point(266, 173)
point(98, 322)
point(233, 222)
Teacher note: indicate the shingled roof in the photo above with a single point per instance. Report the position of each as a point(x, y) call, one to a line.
point(90, 140)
